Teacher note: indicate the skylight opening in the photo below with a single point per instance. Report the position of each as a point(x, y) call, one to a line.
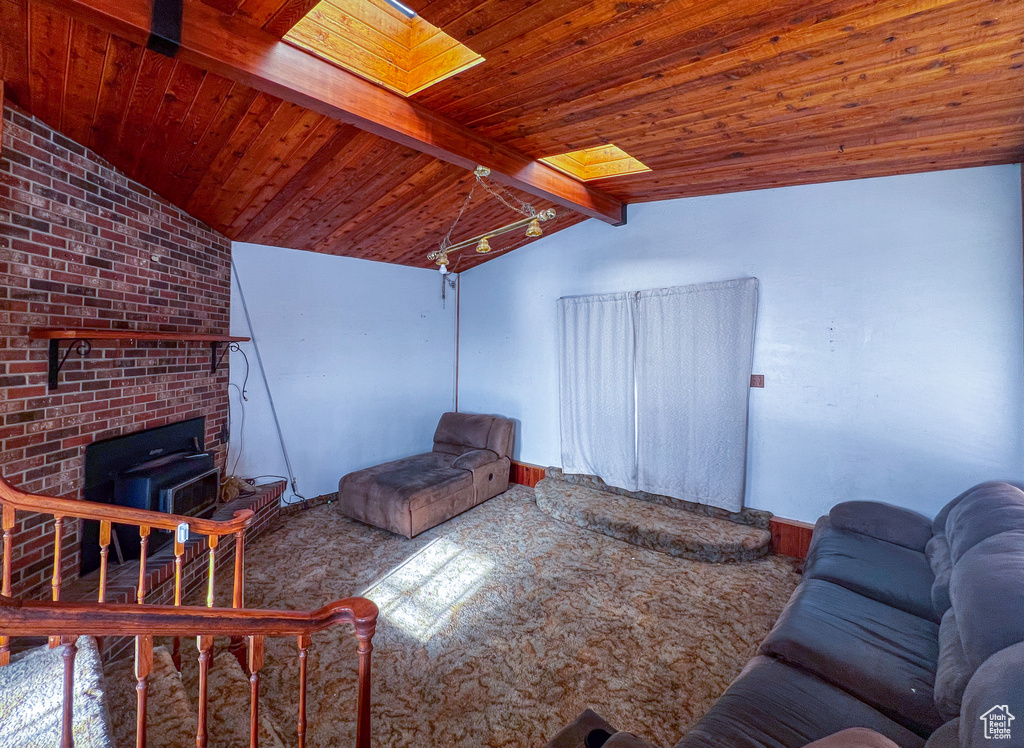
point(599, 162)
point(383, 41)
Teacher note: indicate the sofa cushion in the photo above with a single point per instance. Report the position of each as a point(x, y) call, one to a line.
point(986, 511)
point(473, 459)
point(884, 656)
point(889, 573)
point(774, 705)
point(937, 551)
point(465, 430)
point(574, 735)
point(886, 522)
point(388, 495)
point(987, 589)
point(502, 437)
point(953, 671)
point(997, 687)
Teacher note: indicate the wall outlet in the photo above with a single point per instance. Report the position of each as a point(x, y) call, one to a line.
point(757, 380)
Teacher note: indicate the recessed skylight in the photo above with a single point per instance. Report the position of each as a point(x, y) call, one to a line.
point(599, 162)
point(383, 41)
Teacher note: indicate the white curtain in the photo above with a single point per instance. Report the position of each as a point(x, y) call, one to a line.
point(597, 407)
point(654, 388)
point(694, 353)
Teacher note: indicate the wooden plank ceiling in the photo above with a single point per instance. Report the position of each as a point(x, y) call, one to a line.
point(713, 95)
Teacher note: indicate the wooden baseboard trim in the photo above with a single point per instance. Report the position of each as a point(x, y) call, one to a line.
point(526, 474)
point(791, 537)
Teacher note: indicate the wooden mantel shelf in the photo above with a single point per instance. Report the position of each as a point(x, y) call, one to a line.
point(87, 334)
point(81, 338)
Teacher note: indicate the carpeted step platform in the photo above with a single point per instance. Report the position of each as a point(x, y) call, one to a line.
point(676, 532)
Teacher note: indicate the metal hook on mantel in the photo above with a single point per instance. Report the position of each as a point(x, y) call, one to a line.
point(81, 346)
point(215, 362)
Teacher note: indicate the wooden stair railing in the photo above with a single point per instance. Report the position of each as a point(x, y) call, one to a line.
point(71, 620)
point(13, 500)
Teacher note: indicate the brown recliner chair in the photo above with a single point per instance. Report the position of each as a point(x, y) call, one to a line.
point(468, 465)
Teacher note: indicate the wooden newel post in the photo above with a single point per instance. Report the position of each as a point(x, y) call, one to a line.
point(364, 632)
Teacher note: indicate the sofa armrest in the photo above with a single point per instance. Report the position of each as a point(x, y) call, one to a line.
point(574, 735)
point(886, 522)
point(627, 740)
point(854, 737)
point(474, 459)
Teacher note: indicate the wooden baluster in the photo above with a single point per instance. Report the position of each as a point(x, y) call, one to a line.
point(238, 598)
point(205, 644)
point(57, 580)
point(210, 591)
point(143, 667)
point(255, 664)
point(237, 644)
point(58, 542)
point(179, 552)
point(304, 641)
point(67, 737)
point(364, 633)
point(5, 579)
point(143, 552)
point(104, 553)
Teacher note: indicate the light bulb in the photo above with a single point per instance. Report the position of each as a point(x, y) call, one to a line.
point(534, 229)
point(444, 270)
point(482, 246)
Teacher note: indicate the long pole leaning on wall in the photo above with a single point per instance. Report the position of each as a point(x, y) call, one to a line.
point(293, 481)
point(458, 311)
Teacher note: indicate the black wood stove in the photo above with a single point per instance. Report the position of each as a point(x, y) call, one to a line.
point(164, 469)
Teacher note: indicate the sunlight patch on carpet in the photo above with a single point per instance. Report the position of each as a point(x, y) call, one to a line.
point(422, 594)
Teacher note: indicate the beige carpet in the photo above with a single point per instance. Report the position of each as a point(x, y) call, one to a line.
point(500, 626)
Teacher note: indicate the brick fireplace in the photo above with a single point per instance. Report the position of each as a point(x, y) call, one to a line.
point(83, 246)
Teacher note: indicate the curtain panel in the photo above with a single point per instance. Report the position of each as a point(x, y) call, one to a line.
point(694, 353)
point(597, 409)
point(654, 389)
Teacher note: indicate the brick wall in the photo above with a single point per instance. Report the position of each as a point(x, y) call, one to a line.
point(81, 245)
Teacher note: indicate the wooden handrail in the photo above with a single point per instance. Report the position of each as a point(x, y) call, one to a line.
point(120, 515)
point(34, 618)
point(68, 621)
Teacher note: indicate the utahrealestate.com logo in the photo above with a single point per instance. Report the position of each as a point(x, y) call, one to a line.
point(997, 722)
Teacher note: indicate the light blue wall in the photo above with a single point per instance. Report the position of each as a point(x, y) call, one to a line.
point(359, 356)
point(889, 331)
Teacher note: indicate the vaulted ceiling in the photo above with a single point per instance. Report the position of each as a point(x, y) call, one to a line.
point(713, 95)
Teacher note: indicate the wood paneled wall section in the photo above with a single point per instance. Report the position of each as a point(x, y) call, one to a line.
point(525, 474)
point(790, 537)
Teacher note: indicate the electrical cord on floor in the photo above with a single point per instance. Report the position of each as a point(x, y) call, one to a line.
point(302, 500)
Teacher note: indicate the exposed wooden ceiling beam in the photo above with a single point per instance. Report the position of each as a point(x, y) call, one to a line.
point(240, 51)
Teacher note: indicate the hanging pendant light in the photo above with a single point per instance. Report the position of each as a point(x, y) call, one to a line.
point(534, 229)
point(482, 246)
point(440, 256)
